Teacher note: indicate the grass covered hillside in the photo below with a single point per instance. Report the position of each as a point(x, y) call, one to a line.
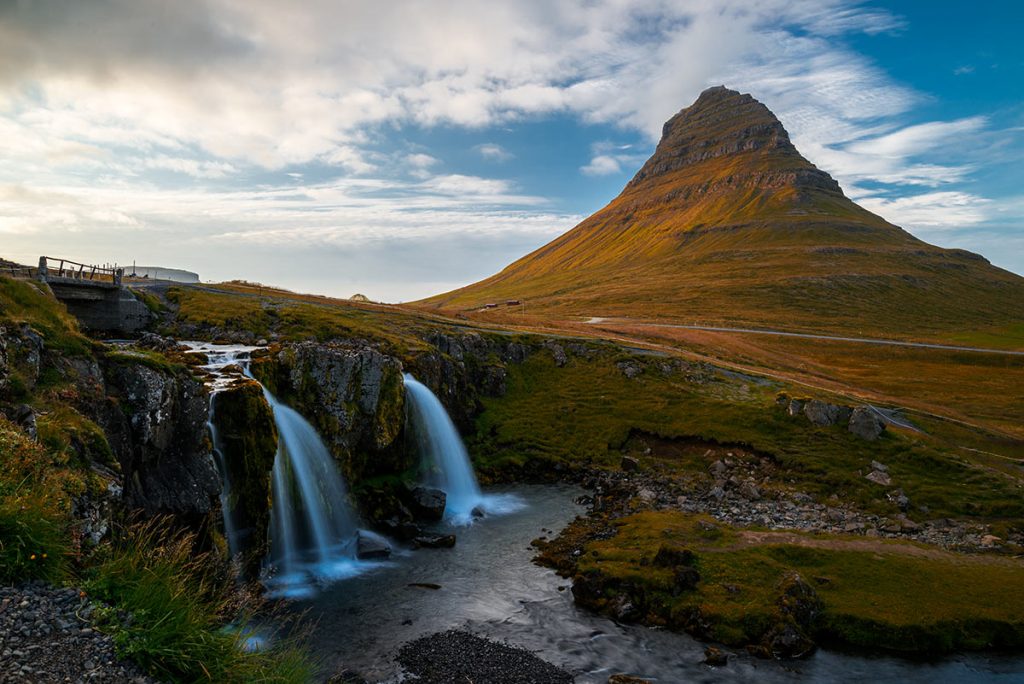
point(727, 222)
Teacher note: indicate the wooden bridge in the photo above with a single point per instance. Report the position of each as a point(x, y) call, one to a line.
point(95, 295)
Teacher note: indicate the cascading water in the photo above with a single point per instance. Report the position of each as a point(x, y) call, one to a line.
point(313, 530)
point(447, 462)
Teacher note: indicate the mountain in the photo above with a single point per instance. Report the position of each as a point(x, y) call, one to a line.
point(728, 223)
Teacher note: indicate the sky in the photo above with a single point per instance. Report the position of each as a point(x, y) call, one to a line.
point(403, 148)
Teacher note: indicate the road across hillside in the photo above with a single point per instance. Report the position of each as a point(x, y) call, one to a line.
point(780, 333)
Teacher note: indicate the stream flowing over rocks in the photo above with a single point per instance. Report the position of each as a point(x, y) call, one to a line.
point(46, 636)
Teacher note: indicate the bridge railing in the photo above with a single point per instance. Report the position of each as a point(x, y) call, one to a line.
point(54, 267)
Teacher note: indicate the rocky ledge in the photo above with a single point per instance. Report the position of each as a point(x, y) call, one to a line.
point(46, 636)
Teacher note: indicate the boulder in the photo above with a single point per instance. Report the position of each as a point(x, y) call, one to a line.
point(630, 464)
point(748, 490)
point(427, 503)
point(866, 424)
point(796, 407)
point(371, 546)
point(435, 541)
point(824, 414)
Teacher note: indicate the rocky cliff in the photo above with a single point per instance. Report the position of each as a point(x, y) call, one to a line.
point(353, 395)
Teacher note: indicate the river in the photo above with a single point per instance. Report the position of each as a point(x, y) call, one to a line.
point(490, 586)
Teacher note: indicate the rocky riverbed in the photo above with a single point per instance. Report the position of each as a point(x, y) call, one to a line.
point(46, 636)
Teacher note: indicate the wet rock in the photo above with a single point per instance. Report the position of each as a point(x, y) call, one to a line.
point(865, 424)
point(400, 529)
point(353, 395)
point(786, 641)
point(627, 679)
point(157, 429)
point(427, 503)
point(630, 464)
point(435, 541)
point(715, 657)
point(370, 547)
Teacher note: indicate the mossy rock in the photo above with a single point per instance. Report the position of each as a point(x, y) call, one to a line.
point(247, 441)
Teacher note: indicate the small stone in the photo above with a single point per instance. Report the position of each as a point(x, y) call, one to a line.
point(715, 657)
point(879, 477)
point(630, 464)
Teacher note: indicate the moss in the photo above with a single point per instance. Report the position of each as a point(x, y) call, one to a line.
point(955, 601)
point(71, 437)
point(151, 301)
point(151, 359)
point(29, 302)
point(247, 439)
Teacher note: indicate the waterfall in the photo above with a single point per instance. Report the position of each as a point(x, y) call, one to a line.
point(446, 460)
point(313, 530)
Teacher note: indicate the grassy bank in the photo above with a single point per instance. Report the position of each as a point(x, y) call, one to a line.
point(873, 593)
point(590, 407)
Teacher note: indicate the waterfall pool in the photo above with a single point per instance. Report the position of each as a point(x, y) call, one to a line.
point(490, 586)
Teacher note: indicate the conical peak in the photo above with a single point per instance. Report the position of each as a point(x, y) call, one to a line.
point(721, 122)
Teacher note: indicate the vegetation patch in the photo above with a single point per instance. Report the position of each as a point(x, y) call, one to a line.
point(863, 593)
point(590, 408)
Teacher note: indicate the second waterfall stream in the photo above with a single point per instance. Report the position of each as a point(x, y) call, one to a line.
point(446, 460)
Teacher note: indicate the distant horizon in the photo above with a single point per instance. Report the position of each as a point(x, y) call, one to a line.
point(286, 147)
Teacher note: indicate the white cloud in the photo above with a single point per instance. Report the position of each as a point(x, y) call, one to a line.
point(493, 152)
point(934, 210)
point(100, 99)
point(602, 165)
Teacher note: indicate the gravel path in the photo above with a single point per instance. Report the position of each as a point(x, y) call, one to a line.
point(46, 636)
point(450, 657)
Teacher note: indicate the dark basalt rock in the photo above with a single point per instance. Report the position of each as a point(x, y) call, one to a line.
point(247, 440)
point(427, 503)
point(156, 427)
point(371, 547)
point(435, 541)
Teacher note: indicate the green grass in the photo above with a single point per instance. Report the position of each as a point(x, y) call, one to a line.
point(179, 601)
point(23, 301)
point(953, 601)
point(297, 317)
point(589, 409)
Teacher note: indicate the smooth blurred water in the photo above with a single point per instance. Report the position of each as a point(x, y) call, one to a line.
point(446, 461)
point(489, 586)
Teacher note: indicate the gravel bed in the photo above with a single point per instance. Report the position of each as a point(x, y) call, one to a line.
point(46, 636)
point(455, 656)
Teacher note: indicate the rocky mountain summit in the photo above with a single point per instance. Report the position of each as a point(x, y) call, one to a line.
point(727, 221)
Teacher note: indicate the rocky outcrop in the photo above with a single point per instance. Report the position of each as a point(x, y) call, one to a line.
point(866, 424)
point(156, 426)
point(353, 395)
point(862, 421)
point(246, 439)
